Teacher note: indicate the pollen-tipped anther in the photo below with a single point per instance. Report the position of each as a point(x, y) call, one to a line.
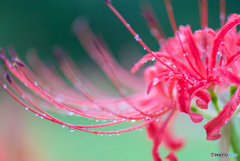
point(8, 77)
point(14, 57)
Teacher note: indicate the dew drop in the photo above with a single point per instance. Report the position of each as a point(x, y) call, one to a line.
point(63, 125)
point(219, 52)
point(144, 48)
point(153, 58)
point(96, 120)
point(41, 117)
point(133, 120)
point(118, 134)
point(35, 83)
point(36, 114)
point(70, 113)
point(5, 86)
point(26, 108)
point(110, 135)
point(71, 130)
point(155, 81)
point(136, 37)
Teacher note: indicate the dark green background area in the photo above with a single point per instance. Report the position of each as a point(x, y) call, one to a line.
point(42, 24)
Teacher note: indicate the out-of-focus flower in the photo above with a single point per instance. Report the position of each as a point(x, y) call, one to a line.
point(189, 68)
point(16, 143)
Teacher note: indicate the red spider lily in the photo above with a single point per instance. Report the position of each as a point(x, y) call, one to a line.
point(188, 67)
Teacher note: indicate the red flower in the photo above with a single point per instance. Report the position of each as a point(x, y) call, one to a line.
point(189, 61)
point(186, 69)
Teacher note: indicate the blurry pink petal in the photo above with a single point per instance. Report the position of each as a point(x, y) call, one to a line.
point(172, 142)
point(171, 157)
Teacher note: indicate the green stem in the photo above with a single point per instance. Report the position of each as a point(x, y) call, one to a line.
point(224, 142)
point(206, 114)
point(214, 99)
point(235, 142)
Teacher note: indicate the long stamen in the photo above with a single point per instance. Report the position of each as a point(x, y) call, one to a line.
point(204, 13)
point(222, 12)
point(81, 88)
point(173, 23)
point(186, 55)
point(136, 36)
point(170, 15)
point(153, 24)
point(78, 127)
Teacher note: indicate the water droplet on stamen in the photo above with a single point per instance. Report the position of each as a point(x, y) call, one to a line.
point(35, 83)
point(70, 113)
point(155, 81)
point(63, 125)
point(26, 108)
point(71, 130)
point(137, 37)
point(5, 86)
point(36, 114)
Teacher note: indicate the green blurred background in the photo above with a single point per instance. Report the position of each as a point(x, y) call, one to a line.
point(41, 25)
